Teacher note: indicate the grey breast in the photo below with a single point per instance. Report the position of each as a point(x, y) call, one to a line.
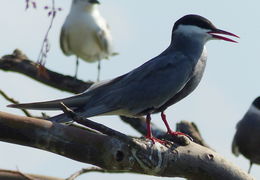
point(190, 85)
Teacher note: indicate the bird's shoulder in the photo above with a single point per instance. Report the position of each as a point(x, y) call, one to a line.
point(163, 63)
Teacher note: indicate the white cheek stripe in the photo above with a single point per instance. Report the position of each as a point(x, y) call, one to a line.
point(191, 29)
point(254, 110)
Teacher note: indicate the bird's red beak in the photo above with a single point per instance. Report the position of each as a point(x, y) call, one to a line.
point(214, 34)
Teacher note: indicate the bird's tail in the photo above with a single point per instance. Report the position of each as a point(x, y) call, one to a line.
point(71, 102)
point(61, 118)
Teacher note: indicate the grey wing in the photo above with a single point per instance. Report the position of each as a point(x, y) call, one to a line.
point(64, 41)
point(152, 84)
point(72, 102)
point(83, 112)
point(76, 101)
point(234, 146)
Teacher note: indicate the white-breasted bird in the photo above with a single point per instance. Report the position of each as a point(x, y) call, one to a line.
point(151, 87)
point(247, 137)
point(86, 34)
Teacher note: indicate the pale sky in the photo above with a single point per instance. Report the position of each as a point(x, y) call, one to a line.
point(141, 30)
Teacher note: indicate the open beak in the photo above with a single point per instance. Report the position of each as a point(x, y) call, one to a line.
point(214, 33)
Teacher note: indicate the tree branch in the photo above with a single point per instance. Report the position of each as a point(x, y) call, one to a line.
point(191, 161)
point(15, 102)
point(17, 175)
point(18, 62)
point(191, 129)
point(87, 170)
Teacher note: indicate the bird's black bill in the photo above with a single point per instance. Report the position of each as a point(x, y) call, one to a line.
point(214, 34)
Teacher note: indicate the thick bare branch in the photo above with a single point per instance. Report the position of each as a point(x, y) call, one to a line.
point(18, 62)
point(192, 130)
point(191, 161)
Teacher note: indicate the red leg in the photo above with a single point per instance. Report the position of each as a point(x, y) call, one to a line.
point(149, 131)
point(169, 131)
point(148, 127)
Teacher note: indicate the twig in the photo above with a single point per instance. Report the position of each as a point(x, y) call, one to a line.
point(17, 175)
point(93, 125)
point(45, 48)
point(15, 102)
point(25, 175)
point(28, 2)
point(92, 169)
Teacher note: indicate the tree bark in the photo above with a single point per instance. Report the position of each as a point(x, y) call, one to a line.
point(18, 62)
point(191, 161)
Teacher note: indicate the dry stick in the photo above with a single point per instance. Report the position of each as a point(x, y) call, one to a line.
point(45, 45)
point(28, 177)
point(27, 113)
point(15, 102)
point(17, 175)
point(92, 169)
point(96, 126)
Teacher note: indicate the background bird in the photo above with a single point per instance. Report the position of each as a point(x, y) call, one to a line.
point(153, 86)
point(86, 34)
point(247, 138)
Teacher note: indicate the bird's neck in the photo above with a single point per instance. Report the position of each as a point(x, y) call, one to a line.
point(190, 46)
point(254, 110)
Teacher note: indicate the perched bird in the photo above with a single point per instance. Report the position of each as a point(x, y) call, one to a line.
point(247, 138)
point(86, 34)
point(153, 86)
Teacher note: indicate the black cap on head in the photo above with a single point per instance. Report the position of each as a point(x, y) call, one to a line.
point(94, 1)
point(194, 20)
point(256, 103)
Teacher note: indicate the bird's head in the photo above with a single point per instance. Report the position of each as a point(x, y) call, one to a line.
point(86, 2)
point(256, 103)
point(93, 1)
point(196, 26)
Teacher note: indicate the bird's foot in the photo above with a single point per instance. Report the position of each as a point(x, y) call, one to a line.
point(153, 139)
point(177, 133)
